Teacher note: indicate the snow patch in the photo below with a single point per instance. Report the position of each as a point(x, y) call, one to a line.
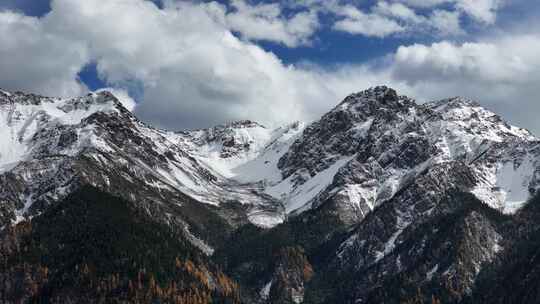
point(266, 219)
point(265, 291)
point(359, 195)
point(297, 196)
point(207, 249)
point(402, 223)
point(429, 274)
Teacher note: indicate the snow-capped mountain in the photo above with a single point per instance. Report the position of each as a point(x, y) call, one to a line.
point(369, 147)
point(243, 150)
point(352, 201)
point(376, 143)
point(244, 154)
point(358, 155)
point(51, 146)
point(397, 201)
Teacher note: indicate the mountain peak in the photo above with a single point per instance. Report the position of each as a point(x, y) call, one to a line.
point(380, 93)
point(375, 99)
point(101, 99)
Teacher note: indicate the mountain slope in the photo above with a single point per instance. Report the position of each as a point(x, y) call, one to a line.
point(376, 142)
point(100, 249)
point(513, 277)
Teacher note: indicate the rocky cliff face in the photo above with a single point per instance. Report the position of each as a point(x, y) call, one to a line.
point(291, 272)
point(375, 143)
point(53, 146)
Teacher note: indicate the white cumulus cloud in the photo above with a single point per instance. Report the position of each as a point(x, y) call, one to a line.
point(194, 72)
point(34, 58)
point(502, 73)
point(266, 22)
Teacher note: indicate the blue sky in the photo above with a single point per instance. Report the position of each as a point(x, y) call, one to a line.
point(193, 64)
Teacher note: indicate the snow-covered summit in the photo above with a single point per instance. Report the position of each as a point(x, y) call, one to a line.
point(51, 146)
point(471, 115)
point(375, 143)
point(230, 140)
point(26, 119)
point(380, 96)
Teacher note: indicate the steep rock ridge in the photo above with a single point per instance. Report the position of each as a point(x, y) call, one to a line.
point(514, 274)
point(437, 256)
point(330, 143)
point(292, 271)
point(341, 131)
point(51, 147)
point(375, 142)
point(505, 158)
point(392, 236)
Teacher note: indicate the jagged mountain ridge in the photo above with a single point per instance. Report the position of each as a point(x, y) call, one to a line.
point(377, 123)
point(385, 140)
point(359, 154)
point(356, 191)
point(52, 146)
